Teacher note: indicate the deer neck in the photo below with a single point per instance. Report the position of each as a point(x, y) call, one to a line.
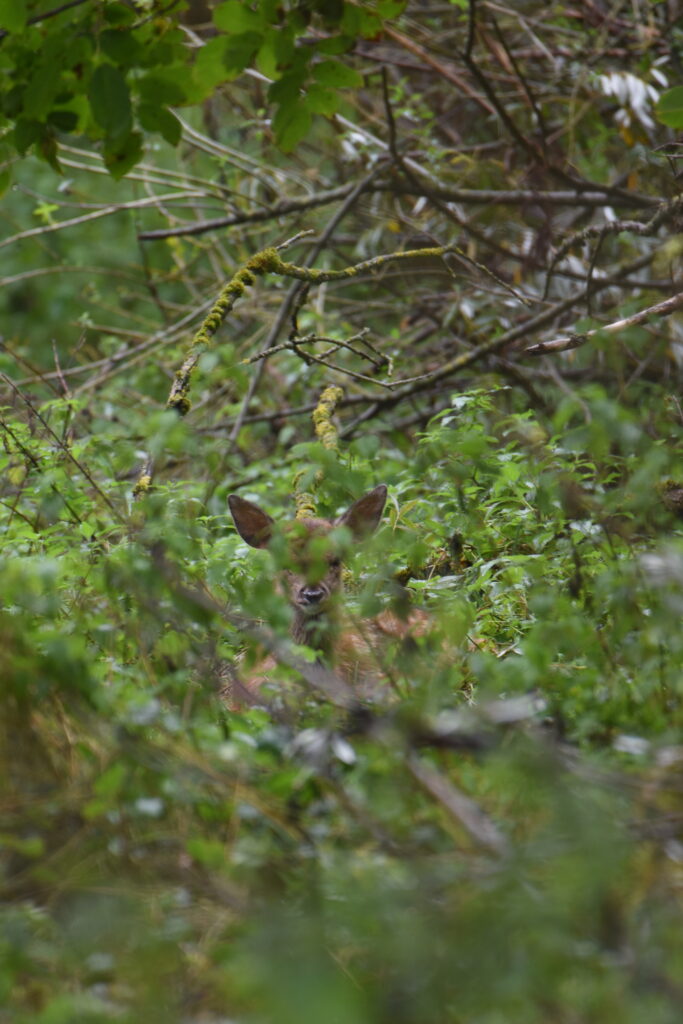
point(320, 632)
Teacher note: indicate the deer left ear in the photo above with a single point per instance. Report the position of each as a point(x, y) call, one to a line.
point(363, 517)
point(253, 524)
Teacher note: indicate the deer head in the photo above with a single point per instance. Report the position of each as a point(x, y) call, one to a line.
point(312, 579)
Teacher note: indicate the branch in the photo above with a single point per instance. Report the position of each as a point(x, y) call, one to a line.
point(665, 308)
point(635, 227)
point(460, 362)
point(47, 14)
point(460, 807)
point(134, 204)
point(467, 196)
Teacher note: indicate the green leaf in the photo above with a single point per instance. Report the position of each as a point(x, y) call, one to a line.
point(209, 69)
point(162, 120)
point(276, 52)
point(336, 75)
point(370, 25)
point(47, 149)
point(322, 100)
point(13, 15)
point(209, 852)
point(41, 91)
point(240, 51)
point(120, 46)
point(287, 89)
point(236, 18)
point(162, 88)
point(331, 11)
point(334, 45)
point(63, 120)
point(110, 101)
point(5, 167)
point(291, 124)
point(669, 107)
point(26, 133)
point(111, 781)
point(391, 8)
point(120, 158)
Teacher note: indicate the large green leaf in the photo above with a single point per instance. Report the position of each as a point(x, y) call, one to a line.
point(41, 91)
point(121, 46)
point(322, 100)
point(240, 50)
point(162, 87)
point(13, 15)
point(291, 124)
point(236, 18)
point(159, 119)
point(336, 75)
point(120, 158)
point(110, 101)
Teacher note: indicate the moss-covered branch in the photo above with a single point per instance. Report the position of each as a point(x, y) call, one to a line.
point(327, 434)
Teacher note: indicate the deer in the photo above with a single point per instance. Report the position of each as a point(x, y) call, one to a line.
point(312, 584)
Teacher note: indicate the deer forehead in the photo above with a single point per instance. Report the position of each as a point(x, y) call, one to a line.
point(310, 542)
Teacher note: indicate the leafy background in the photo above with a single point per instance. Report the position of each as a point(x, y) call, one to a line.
point(500, 837)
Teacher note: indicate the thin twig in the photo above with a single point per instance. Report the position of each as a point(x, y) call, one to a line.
point(107, 211)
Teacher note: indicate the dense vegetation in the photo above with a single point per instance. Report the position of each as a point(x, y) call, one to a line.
point(499, 836)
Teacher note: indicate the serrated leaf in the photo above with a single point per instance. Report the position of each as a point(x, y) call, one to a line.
point(276, 52)
point(266, 60)
point(240, 51)
point(334, 45)
point(322, 100)
point(13, 15)
point(209, 68)
point(162, 120)
point(336, 75)
point(110, 101)
point(291, 124)
point(669, 107)
point(237, 18)
point(288, 88)
point(370, 25)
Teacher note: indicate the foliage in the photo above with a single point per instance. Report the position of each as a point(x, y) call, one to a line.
point(111, 71)
point(497, 836)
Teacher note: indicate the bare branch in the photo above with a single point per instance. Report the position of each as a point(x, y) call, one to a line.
point(571, 341)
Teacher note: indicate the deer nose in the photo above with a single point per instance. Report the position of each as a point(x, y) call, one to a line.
point(312, 594)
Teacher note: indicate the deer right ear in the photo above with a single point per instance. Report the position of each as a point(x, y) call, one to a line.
point(364, 515)
point(253, 525)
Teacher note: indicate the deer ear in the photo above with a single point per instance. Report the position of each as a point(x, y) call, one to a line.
point(253, 525)
point(364, 515)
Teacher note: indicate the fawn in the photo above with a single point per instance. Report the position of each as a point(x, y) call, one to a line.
point(312, 584)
